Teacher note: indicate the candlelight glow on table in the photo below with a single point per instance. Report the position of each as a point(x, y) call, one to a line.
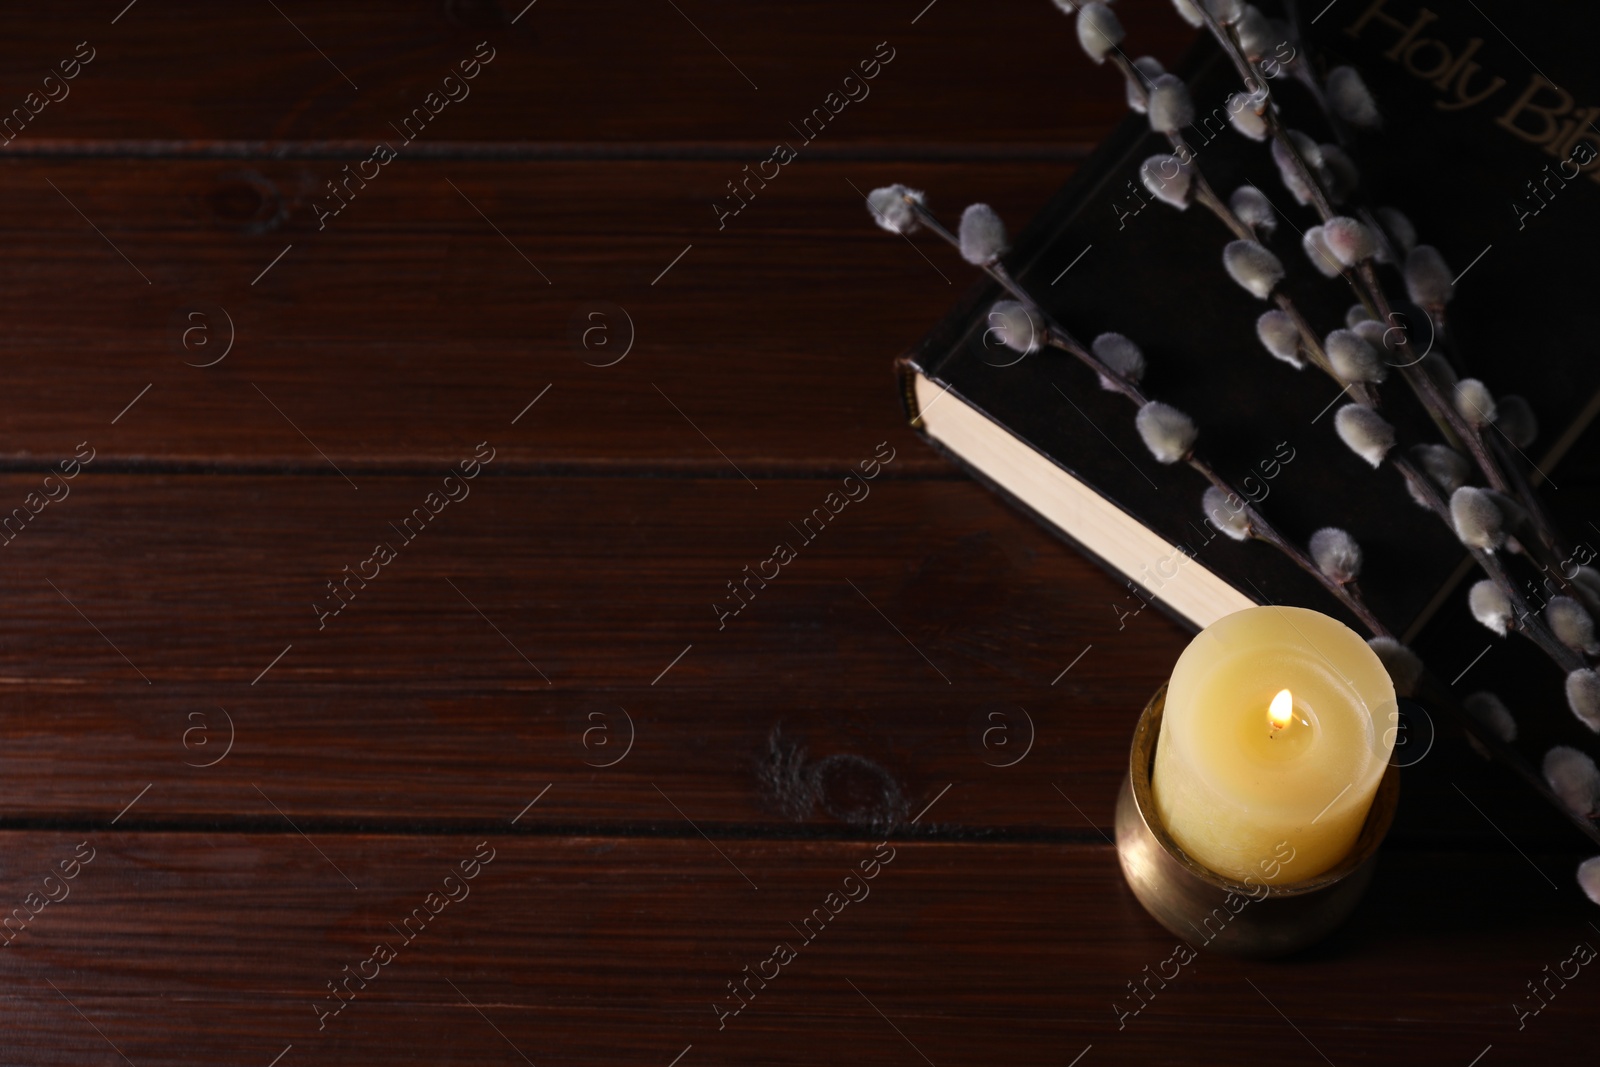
point(1278, 726)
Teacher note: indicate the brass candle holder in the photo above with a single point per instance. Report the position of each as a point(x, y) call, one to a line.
point(1233, 917)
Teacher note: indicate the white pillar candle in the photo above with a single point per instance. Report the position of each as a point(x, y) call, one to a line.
point(1278, 726)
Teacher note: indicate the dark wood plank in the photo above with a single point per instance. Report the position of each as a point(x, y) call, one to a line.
point(409, 326)
point(204, 579)
point(605, 950)
point(566, 72)
point(169, 699)
point(882, 649)
point(919, 640)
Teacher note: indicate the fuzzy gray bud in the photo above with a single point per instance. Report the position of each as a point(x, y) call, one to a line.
point(1574, 778)
point(1583, 697)
point(1477, 518)
point(1515, 419)
point(1364, 432)
point(1336, 554)
point(1315, 243)
point(1490, 606)
point(1227, 12)
point(1121, 355)
point(1401, 231)
point(1474, 402)
point(1571, 624)
point(1224, 515)
point(1447, 467)
point(1253, 267)
point(1244, 113)
point(1168, 433)
point(1309, 151)
point(1492, 712)
point(1297, 185)
point(1256, 37)
point(1098, 31)
point(1428, 280)
point(1587, 580)
point(1294, 179)
point(1515, 515)
point(1419, 495)
point(1589, 878)
point(1281, 336)
point(1254, 209)
point(1405, 669)
point(1167, 179)
point(1349, 240)
point(1189, 12)
point(982, 235)
point(1339, 173)
point(1350, 98)
point(890, 210)
point(1375, 334)
point(1148, 69)
point(1352, 359)
point(1016, 326)
point(1171, 108)
point(1439, 369)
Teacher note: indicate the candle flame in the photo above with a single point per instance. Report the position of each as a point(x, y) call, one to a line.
point(1282, 709)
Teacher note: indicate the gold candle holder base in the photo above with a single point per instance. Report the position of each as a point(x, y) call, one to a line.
point(1208, 910)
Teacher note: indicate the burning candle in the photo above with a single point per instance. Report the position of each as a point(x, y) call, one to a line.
point(1278, 726)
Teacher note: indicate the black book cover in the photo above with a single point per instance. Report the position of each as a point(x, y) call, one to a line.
point(1478, 169)
point(1104, 255)
point(1490, 114)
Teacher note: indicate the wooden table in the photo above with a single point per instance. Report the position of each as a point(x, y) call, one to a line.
point(522, 749)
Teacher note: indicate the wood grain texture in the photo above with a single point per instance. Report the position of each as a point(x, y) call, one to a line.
point(410, 325)
point(600, 74)
point(924, 636)
point(607, 950)
point(914, 615)
point(563, 567)
point(164, 606)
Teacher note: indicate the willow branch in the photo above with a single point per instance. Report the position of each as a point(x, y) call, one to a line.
point(1261, 530)
point(1250, 75)
point(1524, 621)
point(1496, 470)
point(1056, 336)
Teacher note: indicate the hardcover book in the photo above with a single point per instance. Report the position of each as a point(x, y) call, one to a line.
point(1105, 256)
point(1495, 162)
